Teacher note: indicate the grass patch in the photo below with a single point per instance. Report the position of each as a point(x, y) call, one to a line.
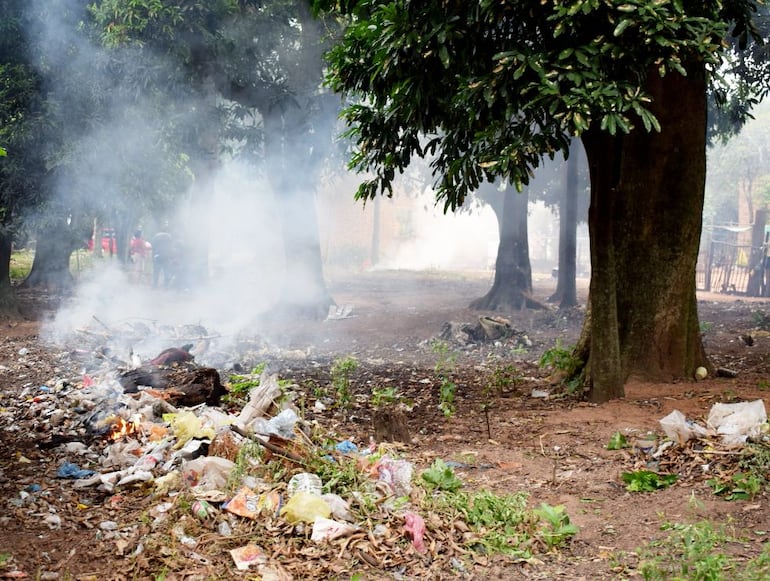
point(701, 552)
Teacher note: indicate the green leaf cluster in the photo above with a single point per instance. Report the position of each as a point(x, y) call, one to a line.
point(516, 80)
point(647, 481)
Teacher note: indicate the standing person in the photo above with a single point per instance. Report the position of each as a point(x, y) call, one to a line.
point(162, 257)
point(138, 251)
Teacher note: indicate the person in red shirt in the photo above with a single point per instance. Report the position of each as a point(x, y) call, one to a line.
point(138, 251)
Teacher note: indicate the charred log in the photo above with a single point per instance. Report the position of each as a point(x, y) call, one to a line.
point(180, 386)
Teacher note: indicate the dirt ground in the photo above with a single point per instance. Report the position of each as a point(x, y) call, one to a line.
point(502, 439)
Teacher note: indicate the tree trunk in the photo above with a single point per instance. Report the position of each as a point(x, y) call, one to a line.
point(8, 303)
point(512, 286)
point(51, 265)
point(647, 192)
point(304, 288)
point(566, 285)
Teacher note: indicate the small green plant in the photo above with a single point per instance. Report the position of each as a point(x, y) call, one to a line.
point(697, 551)
point(444, 369)
point(341, 372)
point(4, 559)
point(617, 442)
point(647, 481)
point(249, 457)
point(558, 527)
point(239, 386)
point(761, 320)
point(505, 379)
point(740, 486)
point(385, 396)
point(563, 361)
point(441, 477)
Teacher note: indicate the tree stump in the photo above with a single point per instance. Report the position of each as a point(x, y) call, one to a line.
point(390, 426)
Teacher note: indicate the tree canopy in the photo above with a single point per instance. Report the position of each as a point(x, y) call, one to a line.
point(517, 79)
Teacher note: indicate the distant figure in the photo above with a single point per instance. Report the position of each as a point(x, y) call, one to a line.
point(138, 251)
point(162, 258)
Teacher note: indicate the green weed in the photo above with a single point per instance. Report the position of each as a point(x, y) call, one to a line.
point(557, 526)
point(647, 481)
point(341, 372)
point(563, 361)
point(444, 368)
point(697, 551)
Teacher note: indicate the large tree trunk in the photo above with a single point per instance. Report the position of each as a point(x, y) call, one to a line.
point(8, 303)
point(512, 286)
point(291, 177)
point(647, 192)
point(566, 286)
point(51, 265)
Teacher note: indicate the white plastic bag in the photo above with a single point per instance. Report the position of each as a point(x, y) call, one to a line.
point(679, 429)
point(736, 422)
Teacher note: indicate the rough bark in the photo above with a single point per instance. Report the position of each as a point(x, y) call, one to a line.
point(566, 285)
point(512, 287)
point(51, 265)
point(8, 304)
point(647, 192)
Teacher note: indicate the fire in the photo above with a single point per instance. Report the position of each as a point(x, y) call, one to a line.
point(120, 428)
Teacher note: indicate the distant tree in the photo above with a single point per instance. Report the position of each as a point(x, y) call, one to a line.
point(512, 285)
point(266, 59)
point(511, 83)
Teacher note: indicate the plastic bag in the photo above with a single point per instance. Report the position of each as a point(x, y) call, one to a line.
point(281, 425)
point(397, 474)
point(186, 425)
point(325, 529)
point(304, 482)
point(736, 422)
point(415, 526)
point(305, 507)
point(679, 429)
point(208, 472)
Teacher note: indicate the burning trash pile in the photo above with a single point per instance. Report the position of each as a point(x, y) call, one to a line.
point(262, 488)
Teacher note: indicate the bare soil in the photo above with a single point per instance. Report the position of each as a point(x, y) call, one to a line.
point(501, 437)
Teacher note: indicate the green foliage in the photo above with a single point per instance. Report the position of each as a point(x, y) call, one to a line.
point(341, 372)
point(239, 386)
point(761, 320)
point(248, 461)
point(499, 77)
point(505, 379)
point(563, 361)
point(387, 396)
point(752, 477)
point(617, 442)
point(699, 552)
point(441, 477)
point(21, 264)
point(739, 486)
point(647, 481)
point(444, 368)
point(502, 524)
point(558, 527)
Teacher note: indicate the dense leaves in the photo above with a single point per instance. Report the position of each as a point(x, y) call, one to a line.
point(517, 80)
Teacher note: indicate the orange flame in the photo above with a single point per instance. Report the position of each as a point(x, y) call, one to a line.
point(121, 428)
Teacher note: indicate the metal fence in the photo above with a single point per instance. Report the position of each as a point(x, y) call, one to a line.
point(725, 267)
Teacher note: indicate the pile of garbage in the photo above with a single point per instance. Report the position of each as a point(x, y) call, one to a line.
point(728, 451)
point(259, 488)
